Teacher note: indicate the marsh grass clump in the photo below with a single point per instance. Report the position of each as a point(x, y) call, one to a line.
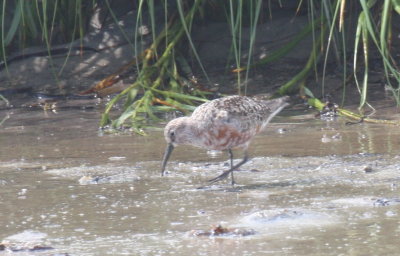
point(167, 62)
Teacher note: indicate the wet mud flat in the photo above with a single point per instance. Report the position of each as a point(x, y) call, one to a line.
point(312, 187)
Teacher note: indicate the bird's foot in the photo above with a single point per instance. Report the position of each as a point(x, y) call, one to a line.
point(230, 171)
point(221, 177)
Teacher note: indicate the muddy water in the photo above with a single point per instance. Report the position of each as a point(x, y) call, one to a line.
point(312, 188)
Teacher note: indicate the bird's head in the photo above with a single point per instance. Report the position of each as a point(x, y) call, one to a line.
point(176, 132)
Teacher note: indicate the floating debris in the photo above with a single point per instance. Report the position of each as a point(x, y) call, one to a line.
point(368, 169)
point(89, 180)
point(17, 248)
point(329, 111)
point(221, 231)
point(386, 201)
point(117, 158)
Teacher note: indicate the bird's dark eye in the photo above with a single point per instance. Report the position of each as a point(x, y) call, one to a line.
point(172, 134)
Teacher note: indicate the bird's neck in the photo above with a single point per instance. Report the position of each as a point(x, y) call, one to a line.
point(192, 134)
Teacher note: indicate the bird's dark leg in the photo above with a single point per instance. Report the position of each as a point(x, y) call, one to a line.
point(226, 173)
point(231, 165)
point(230, 157)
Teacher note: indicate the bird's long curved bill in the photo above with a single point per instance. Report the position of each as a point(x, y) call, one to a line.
point(167, 153)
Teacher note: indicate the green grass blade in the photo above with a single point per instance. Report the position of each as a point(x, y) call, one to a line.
point(53, 19)
point(14, 24)
point(77, 11)
point(179, 95)
point(235, 24)
point(368, 21)
point(299, 77)
point(344, 53)
point(287, 47)
point(396, 5)
point(364, 89)
point(4, 99)
point(130, 112)
point(3, 46)
point(28, 19)
point(383, 35)
point(188, 20)
point(179, 105)
point(117, 23)
point(371, 28)
point(356, 46)
point(152, 12)
point(253, 29)
point(328, 47)
point(136, 36)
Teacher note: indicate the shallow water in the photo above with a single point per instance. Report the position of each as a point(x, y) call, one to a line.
point(313, 187)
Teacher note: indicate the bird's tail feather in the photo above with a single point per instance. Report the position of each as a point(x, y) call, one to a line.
point(277, 106)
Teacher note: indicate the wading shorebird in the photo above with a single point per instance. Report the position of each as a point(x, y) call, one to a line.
point(222, 124)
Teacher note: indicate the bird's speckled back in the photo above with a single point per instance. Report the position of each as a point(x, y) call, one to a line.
point(239, 111)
